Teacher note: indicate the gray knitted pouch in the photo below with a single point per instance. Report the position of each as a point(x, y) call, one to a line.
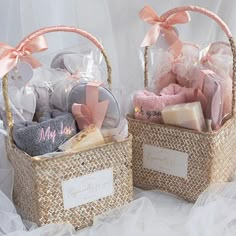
point(53, 129)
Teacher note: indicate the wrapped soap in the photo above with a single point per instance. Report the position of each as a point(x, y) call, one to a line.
point(88, 138)
point(186, 115)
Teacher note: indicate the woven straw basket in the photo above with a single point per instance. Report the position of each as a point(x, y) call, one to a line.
point(38, 181)
point(210, 155)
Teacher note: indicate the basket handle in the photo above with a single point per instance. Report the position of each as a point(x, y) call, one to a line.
point(35, 34)
point(223, 26)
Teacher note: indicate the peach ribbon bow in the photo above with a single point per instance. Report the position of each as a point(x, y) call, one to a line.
point(93, 112)
point(165, 26)
point(9, 56)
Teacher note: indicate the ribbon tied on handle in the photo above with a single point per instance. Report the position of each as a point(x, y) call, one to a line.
point(94, 111)
point(165, 26)
point(9, 56)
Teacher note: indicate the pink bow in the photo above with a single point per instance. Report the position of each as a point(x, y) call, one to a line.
point(164, 25)
point(93, 112)
point(9, 56)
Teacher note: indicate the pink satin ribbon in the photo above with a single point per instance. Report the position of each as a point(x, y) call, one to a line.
point(9, 56)
point(165, 26)
point(93, 112)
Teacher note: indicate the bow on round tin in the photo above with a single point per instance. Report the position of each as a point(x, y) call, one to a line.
point(93, 112)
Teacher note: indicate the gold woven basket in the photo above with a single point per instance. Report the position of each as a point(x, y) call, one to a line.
point(206, 157)
point(38, 191)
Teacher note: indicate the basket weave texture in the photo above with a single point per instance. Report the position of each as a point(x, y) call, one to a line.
point(38, 184)
point(38, 193)
point(211, 155)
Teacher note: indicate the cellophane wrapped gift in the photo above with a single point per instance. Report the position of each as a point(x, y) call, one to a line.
point(183, 123)
point(67, 141)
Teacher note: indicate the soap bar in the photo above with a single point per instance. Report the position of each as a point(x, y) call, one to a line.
point(186, 115)
point(88, 138)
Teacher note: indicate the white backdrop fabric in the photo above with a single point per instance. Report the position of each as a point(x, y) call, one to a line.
point(117, 25)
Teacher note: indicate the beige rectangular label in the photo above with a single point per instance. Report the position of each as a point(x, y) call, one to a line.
point(87, 188)
point(165, 160)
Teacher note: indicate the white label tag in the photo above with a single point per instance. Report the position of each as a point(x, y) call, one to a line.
point(87, 188)
point(165, 160)
point(20, 75)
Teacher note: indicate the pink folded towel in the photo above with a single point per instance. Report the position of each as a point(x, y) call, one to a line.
point(148, 106)
point(189, 94)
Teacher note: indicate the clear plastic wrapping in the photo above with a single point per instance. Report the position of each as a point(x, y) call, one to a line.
point(194, 75)
point(21, 96)
point(42, 101)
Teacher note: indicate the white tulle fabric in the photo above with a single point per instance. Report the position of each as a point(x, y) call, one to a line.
point(152, 213)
